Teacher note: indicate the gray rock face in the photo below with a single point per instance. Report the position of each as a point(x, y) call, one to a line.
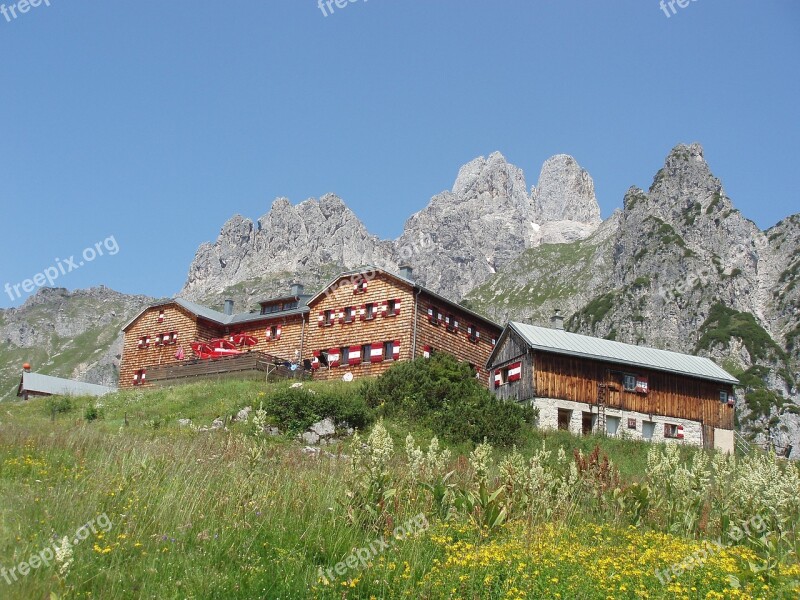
point(462, 237)
point(565, 193)
point(679, 268)
point(67, 334)
point(300, 241)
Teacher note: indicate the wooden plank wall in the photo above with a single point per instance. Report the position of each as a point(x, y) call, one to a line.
point(456, 343)
point(512, 349)
point(573, 378)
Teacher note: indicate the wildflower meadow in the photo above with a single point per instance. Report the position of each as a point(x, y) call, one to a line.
point(394, 511)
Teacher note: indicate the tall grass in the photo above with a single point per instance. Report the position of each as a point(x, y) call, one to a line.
point(230, 514)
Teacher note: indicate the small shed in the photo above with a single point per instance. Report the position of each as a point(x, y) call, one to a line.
point(35, 384)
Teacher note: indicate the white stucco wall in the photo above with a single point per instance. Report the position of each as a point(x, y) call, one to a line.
point(692, 430)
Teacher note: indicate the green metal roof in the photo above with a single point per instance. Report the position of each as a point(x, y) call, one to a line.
point(559, 341)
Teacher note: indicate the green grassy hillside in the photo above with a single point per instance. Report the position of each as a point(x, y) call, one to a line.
point(175, 512)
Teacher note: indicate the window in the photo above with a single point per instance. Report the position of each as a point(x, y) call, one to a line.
point(354, 354)
point(173, 338)
point(369, 311)
point(673, 431)
point(360, 287)
point(723, 397)
point(434, 316)
point(323, 358)
point(612, 425)
point(388, 350)
point(629, 383)
point(392, 307)
point(161, 316)
point(648, 429)
point(473, 335)
point(139, 377)
point(274, 333)
point(144, 342)
point(160, 339)
point(348, 314)
point(631, 423)
point(328, 314)
point(366, 352)
point(451, 323)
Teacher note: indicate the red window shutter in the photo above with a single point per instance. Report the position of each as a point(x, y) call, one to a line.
point(396, 350)
point(315, 360)
point(396, 306)
point(432, 316)
point(268, 334)
point(426, 351)
point(680, 432)
point(278, 333)
point(515, 371)
point(376, 352)
point(354, 355)
point(498, 379)
point(362, 313)
point(384, 308)
point(334, 357)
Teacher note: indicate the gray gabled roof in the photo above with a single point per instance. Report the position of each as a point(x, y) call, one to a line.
point(559, 341)
point(412, 284)
point(55, 386)
point(220, 318)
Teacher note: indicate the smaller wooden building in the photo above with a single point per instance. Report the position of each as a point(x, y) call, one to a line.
point(585, 384)
point(36, 384)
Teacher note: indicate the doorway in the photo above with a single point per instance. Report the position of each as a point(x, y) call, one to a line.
point(564, 417)
point(587, 423)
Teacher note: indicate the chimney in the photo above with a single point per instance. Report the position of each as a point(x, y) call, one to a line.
point(407, 272)
point(297, 288)
point(228, 307)
point(557, 321)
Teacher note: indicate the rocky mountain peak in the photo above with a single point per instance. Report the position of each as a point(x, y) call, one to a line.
point(491, 179)
point(565, 192)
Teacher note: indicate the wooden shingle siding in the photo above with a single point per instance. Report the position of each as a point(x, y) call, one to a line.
point(407, 330)
point(360, 332)
point(454, 341)
point(134, 358)
point(287, 347)
point(576, 379)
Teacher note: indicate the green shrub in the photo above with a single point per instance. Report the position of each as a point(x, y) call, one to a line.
point(295, 409)
point(443, 394)
point(92, 413)
point(59, 404)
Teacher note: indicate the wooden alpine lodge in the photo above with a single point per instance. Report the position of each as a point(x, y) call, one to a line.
point(364, 321)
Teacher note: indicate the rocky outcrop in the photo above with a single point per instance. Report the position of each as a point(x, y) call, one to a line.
point(678, 268)
point(309, 241)
point(565, 193)
point(67, 334)
point(457, 241)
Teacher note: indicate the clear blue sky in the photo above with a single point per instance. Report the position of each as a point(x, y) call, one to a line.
point(155, 122)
